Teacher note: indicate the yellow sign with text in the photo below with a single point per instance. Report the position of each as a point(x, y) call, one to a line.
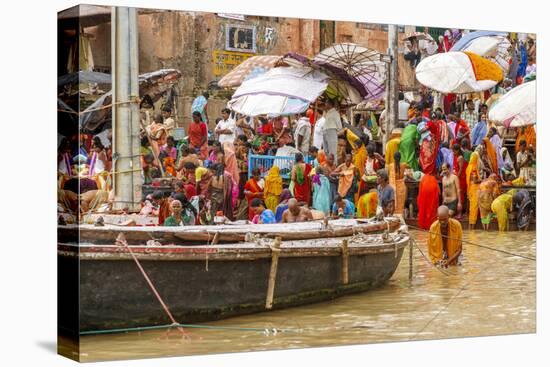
point(225, 61)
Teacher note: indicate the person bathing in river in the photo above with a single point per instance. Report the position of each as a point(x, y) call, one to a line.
point(296, 213)
point(445, 239)
point(262, 215)
point(451, 190)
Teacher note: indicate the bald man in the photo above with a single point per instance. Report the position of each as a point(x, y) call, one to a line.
point(296, 213)
point(445, 239)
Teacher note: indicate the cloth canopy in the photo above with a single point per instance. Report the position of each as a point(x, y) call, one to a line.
point(495, 46)
point(516, 108)
point(454, 72)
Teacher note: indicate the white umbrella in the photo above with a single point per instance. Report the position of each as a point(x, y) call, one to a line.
point(451, 72)
point(282, 90)
point(516, 108)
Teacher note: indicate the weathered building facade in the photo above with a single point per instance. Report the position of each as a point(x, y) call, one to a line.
point(205, 46)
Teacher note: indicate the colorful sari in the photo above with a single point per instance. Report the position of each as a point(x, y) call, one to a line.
point(427, 201)
point(366, 205)
point(407, 146)
point(461, 177)
point(321, 194)
point(273, 188)
point(529, 135)
point(500, 207)
point(302, 188)
point(488, 191)
point(392, 146)
point(197, 132)
point(472, 174)
point(345, 181)
point(492, 155)
point(252, 186)
point(398, 183)
point(429, 149)
point(231, 165)
point(199, 104)
point(348, 210)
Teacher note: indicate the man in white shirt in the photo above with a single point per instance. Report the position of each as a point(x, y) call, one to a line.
point(318, 131)
point(168, 120)
point(225, 130)
point(403, 108)
point(302, 134)
point(333, 124)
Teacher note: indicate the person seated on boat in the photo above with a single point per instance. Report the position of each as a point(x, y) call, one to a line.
point(92, 200)
point(445, 239)
point(296, 213)
point(178, 217)
point(523, 204)
point(163, 206)
point(205, 215)
point(386, 193)
point(283, 204)
point(262, 215)
point(343, 208)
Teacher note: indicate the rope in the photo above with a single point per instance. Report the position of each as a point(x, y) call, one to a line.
point(274, 331)
point(476, 244)
point(96, 109)
point(122, 241)
point(447, 305)
point(428, 260)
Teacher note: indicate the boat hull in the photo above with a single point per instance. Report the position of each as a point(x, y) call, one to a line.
point(205, 283)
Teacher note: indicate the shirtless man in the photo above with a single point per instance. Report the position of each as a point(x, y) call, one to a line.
point(296, 213)
point(451, 190)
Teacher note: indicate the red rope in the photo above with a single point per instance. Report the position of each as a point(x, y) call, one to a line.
point(121, 240)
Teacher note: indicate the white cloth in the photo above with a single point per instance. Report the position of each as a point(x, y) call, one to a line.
point(303, 128)
point(403, 108)
point(223, 125)
point(318, 133)
point(170, 125)
point(332, 120)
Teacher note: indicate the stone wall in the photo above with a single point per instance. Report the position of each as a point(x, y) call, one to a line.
point(195, 42)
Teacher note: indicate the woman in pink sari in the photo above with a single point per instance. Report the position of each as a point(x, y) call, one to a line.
point(231, 161)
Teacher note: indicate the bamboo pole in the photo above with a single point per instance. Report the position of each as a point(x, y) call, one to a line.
point(345, 262)
point(410, 259)
point(275, 252)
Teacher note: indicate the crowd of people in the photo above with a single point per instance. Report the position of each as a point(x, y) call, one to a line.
point(339, 167)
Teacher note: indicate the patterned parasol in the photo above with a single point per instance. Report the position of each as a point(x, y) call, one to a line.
point(361, 63)
point(251, 67)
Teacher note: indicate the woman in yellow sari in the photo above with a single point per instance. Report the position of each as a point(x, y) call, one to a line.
point(472, 183)
point(396, 172)
point(491, 155)
point(501, 206)
point(366, 205)
point(529, 135)
point(360, 155)
point(392, 146)
point(272, 188)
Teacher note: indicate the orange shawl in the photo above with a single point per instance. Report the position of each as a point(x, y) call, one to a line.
point(346, 179)
point(492, 154)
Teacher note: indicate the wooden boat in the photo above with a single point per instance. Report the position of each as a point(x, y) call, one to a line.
point(100, 287)
point(231, 233)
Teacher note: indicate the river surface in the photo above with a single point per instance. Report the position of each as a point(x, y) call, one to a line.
point(490, 294)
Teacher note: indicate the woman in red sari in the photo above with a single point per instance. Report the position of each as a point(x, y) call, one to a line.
point(430, 147)
point(427, 201)
point(198, 136)
point(252, 190)
point(302, 181)
point(459, 169)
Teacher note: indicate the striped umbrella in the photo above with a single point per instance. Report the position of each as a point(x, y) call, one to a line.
point(251, 67)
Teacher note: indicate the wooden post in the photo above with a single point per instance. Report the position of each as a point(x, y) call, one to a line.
point(345, 262)
point(410, 259)
point(275, 251)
